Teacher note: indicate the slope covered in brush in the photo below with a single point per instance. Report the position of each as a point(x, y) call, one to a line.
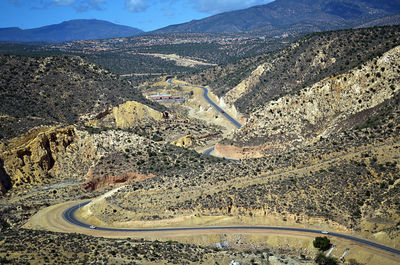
point(256, 80)
point(58, 89)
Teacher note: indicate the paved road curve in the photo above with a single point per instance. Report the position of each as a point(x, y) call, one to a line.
point(209, 151)
point(215, 106)
point(69, 215)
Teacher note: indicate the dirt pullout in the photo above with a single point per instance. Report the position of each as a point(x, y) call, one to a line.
point(114, 181)
point(234, 152)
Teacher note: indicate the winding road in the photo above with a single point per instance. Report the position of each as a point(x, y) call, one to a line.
point(209, 151)
point(212, 103)
point(69, 216)
point(215, 106)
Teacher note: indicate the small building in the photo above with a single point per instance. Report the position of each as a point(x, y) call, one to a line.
point(166, 97)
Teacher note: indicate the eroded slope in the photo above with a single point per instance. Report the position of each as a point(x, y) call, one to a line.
point(332, 105)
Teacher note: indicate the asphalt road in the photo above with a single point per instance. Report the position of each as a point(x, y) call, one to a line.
point(208, 151)
point(69, 216)
point(215, 106)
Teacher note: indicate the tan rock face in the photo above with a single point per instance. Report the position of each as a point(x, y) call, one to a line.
point(126, 115)
point(322, 109)
point(57, 154)
point(28, 159)
point(186, 141)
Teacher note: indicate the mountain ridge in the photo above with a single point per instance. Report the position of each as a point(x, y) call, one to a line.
point(285, 15)
point(71, 30)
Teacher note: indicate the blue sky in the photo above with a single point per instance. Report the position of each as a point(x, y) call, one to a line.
point(144, 14)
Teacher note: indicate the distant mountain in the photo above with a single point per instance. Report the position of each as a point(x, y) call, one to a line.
point(294, 16)
point(81, 29)
point(385, 21)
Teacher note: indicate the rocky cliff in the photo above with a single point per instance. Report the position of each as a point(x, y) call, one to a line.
point(28, 159)
point(48, 155)
point(185, 141)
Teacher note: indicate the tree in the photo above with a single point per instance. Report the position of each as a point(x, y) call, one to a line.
point(322, 243)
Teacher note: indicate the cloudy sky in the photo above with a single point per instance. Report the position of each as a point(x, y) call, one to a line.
point(144, 14)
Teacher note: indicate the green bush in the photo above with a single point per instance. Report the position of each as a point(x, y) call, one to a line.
point(322, 243)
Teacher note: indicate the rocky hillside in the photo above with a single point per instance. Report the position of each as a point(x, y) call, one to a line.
point(346, 179)
point(327, 154)
point(57, 89)
point(124, 144)
point(334, 104)
point(253, 81)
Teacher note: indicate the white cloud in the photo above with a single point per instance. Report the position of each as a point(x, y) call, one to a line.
point(218, 6)
point(95, 3)
point(136, 5)
point(85, 5)
point(79, 5)
point(62, 2)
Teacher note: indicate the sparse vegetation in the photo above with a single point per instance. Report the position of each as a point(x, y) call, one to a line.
point(56, 90)
point(310, 59)
point(343, 175)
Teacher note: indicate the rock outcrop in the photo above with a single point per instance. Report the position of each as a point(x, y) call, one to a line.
point(53, 154)
point(114, 181)
point(126, 115)
point(29, 159)
point(186, 141)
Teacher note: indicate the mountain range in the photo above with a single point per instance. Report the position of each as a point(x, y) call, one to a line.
point(294, 16)
point(80, 29)
point(272, 19)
